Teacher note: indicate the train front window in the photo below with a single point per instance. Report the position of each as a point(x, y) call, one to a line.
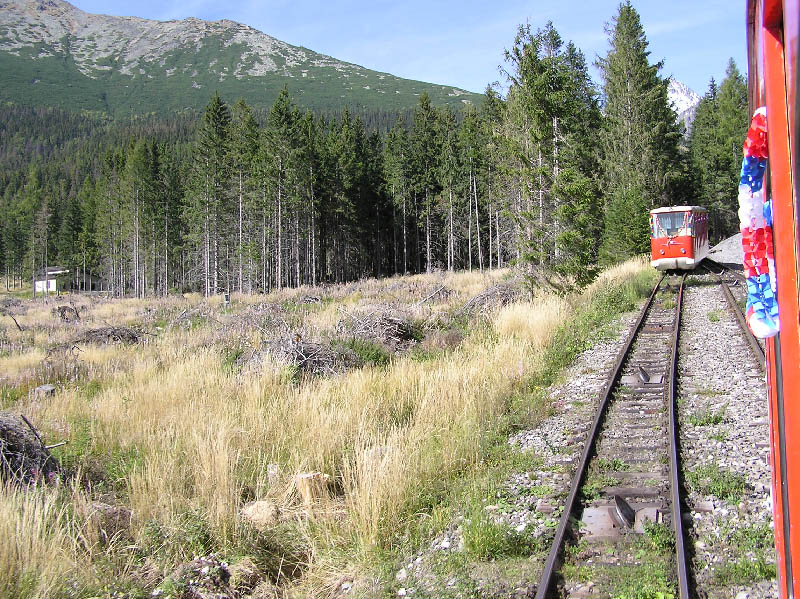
point(671, 224)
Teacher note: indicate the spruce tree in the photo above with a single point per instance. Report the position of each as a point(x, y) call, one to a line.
point(396, 173)
point(209, 189)
point(244, 148)
point(641, 163)
point(425, 154)
point(551, 118)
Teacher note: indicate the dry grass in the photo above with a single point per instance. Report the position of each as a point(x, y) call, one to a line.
point(532, 321)
point(204, 435)
point(38, 550)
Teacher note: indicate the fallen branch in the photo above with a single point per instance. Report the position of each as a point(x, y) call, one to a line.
point(15, 322)
point(435, 293)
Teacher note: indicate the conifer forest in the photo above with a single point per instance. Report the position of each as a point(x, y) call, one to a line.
point(552, 171)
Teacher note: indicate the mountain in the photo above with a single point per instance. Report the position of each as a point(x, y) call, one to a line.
point(54, 54)
point(684, 100)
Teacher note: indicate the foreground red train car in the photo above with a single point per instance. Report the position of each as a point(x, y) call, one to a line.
point(678, 237)
point(772, 41)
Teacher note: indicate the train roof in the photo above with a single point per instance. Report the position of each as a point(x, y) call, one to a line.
point(678, 209)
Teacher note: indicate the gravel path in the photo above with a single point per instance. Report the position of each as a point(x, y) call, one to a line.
point(722, 411)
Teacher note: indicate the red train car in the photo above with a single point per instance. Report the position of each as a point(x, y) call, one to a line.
point(678, 237)
point(773, 37)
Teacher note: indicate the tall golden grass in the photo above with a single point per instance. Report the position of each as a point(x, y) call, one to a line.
point(205, 435)
point(39, 545)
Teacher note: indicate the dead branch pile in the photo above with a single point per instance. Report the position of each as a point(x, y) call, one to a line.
point(189, 318)
point(9, 302)
point(311, 358)
point(378, 323)
point(23, 457)
point(490, 298)
point(106, 335)
point(269, 319)
point(67, 313)
point(440, 293)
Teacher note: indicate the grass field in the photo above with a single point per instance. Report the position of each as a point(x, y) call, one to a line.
point(391, 388)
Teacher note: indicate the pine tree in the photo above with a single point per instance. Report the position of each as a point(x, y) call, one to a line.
point(425, 153)
point(244, 148)
point(715, 151)
point(641, 162)
point(396, 169)
point(549, 136)
point(208, 195)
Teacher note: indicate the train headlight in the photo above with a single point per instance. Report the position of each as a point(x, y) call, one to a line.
point(683, 250)
point(662, 252)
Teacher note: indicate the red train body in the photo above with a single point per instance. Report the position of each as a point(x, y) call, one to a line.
point(773, 39)
point(678, 237)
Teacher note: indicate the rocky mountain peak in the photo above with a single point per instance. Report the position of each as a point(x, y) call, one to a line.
point(684, 100)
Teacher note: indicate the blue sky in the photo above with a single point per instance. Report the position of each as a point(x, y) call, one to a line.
point(461, 43)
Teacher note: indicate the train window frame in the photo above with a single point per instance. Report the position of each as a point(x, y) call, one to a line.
point(686, 227)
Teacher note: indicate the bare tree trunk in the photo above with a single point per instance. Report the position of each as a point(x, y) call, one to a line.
point(215, 281)
point(518, 226)
point(450, 252)
point(297, 248)
point(264, 245)
point(427, 233)
point(405, 239)
point(469, 223)
point(136, 289)
point(207, 241)
point(497, 237)
point(166, 245)
point(240, 231)
point(313, 235)
point(278, 258)
point(556, 250)
point(477, 223)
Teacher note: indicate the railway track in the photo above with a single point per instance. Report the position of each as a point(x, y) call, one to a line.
point(628, 480)
point(756, 347)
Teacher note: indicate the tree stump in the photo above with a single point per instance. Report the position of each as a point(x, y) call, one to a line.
point(43, 391)
point(312, 486)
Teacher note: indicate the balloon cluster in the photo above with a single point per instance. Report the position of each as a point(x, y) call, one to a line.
point(755, 223)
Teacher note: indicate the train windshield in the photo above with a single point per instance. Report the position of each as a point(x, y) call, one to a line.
point(671, 224)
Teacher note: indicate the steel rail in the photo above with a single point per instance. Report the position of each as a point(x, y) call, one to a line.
point(755, 346)
point(675, 493)
point(546, 579)
point(735, 273)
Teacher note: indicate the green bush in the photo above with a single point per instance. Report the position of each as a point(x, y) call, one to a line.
point(369, 352)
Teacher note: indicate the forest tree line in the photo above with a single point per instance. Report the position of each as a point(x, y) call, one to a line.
point(557, 174)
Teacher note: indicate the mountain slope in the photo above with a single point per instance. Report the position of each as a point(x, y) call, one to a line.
point(52, 53)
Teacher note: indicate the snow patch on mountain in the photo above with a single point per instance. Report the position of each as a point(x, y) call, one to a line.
point(684, 101)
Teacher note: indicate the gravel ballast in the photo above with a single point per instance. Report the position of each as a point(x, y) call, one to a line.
point(723, 418)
